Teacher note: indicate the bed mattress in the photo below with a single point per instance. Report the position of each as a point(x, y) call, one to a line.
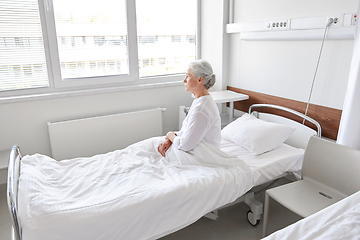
point(132, 193)
point(270, 165)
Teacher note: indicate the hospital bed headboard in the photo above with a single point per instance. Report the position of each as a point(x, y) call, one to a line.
point(300, 136)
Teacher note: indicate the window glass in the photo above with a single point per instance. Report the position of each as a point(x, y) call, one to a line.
point(87, 43)
point(22, 55)
point(92, 37)
point(166, 36)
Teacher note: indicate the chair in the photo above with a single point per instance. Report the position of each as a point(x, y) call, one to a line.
point(330, 172)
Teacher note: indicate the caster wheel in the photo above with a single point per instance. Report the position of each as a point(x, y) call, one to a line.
point(250, 218)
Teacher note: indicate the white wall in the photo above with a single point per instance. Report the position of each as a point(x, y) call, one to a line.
point(281, 68)
point(213, 40)
point(286, 68)
point(25, 123)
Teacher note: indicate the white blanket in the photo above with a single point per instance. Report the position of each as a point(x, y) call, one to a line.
point(132, 193)
point(270, 165)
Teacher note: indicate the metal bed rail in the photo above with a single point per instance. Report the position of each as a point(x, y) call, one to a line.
point(303, 116)
point(12, 189)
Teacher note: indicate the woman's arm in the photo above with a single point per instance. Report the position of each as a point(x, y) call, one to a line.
point(164, 146)
point(170, 136)
point(197, 127)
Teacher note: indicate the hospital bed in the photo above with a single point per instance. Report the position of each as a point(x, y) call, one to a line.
point(102, 197)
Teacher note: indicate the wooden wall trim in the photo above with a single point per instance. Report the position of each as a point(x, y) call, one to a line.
point(329, 118)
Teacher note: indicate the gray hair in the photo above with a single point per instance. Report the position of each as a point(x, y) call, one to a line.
point(202, 68)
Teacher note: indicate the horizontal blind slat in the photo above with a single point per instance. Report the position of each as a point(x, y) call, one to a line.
point(22, 55)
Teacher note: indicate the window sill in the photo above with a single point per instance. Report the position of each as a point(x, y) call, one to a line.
point(43, 96)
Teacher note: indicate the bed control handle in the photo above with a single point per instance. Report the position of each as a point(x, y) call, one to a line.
point(325, 195)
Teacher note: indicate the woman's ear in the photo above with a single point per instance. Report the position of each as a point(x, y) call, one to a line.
point(201, 79)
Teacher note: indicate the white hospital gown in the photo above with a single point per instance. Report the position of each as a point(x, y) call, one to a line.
point(202, 123)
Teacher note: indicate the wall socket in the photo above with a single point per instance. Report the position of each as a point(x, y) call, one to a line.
point(337, 20)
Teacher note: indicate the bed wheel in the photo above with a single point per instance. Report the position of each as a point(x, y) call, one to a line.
point(251, 220)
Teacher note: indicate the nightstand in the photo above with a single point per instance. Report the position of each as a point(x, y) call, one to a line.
point(231, 97)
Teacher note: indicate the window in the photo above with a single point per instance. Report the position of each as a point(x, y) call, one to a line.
point(22, 54)
point(176, 38)
point(94, 42)
point(147, 39)
point(191, 39)
point(19, 42)
point(63, 40)
point(101, 19)
point(100, 41)
point(162, 61)
point(167, 28)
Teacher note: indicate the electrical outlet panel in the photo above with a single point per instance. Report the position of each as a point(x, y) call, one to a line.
point(278, 24)
point(340, 20)
point(337, 20)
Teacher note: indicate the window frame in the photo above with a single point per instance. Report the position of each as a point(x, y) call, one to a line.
point(98, 80)
point(57, 84)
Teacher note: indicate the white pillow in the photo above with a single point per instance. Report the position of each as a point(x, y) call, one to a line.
point(255, 135)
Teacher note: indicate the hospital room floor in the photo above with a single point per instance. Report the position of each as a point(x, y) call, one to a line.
point(232, 222)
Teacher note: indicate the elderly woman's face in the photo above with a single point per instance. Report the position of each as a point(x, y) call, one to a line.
point(191, 82)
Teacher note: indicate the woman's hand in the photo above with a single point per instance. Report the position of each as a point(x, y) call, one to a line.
point(170, 136)
point(164, 146)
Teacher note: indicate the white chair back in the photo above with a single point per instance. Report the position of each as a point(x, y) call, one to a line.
point(333, 165)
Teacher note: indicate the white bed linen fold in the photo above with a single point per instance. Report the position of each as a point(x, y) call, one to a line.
point(270, 165)
point(338, 221)
point(132, 193)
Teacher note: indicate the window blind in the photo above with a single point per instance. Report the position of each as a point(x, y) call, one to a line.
point(22, 55)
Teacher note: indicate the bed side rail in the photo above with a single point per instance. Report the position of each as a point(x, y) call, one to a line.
point(303, 116)
point(12, 187)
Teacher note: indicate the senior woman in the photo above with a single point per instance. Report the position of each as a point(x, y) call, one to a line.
point(203, 120)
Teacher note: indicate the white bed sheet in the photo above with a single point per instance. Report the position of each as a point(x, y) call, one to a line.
point(338, 221)
point(270, 165)
point(132, 193)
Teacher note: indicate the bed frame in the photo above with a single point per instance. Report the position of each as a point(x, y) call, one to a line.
point(12, 193)
point(299, 139)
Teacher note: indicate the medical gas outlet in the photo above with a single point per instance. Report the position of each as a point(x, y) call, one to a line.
point(349, 19)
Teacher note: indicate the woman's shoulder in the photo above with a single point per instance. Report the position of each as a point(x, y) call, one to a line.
point(202, 101)
point(205, 99)
point(205, 105)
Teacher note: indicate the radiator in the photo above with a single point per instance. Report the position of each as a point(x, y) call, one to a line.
point(101, 134)
point(183, 111)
